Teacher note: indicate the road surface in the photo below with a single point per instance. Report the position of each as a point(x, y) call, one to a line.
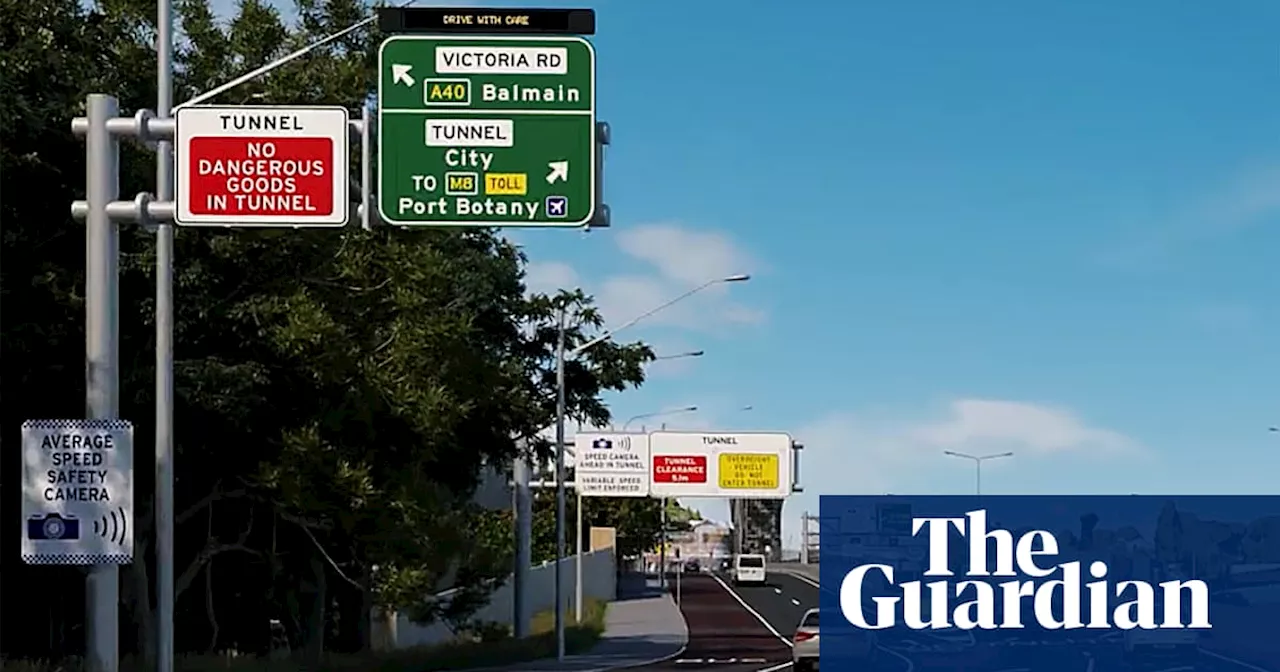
point(788, 596)
point(724, 635)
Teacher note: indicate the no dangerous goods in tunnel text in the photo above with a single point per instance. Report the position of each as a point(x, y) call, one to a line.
point(77, 500)
point(487, 131)
point(260, 166)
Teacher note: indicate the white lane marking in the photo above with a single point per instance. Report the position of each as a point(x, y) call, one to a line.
point(1016, 669)
point(777, 591)
point(911, 666)
point(1233, 661)
point(775, 668)
point(795, 601)
point(1089, 666)
point(1180, 668)
point(804, 578)
point(719, 661)
point(751, 611)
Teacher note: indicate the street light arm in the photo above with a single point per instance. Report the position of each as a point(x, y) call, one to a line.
point(254, 74)
point(632, 322)
point(657, 414)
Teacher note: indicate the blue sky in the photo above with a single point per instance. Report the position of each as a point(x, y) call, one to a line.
point(1051, 228)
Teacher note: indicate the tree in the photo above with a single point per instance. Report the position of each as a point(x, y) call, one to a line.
point(337, 392)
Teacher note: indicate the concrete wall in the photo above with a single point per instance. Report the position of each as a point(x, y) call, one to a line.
point(599, 581)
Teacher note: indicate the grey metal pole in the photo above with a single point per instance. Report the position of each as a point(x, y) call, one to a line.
point(742, 524)
point(102, 353)
point(366, 166)
point(679, 573)
point(662, 548)
point(524, 546)
point(577, 589)
point(804, 538)
point(560, 494)
point(164, 348)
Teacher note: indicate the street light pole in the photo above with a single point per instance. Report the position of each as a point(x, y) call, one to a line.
point(561, 356)
point(977, 462)
point(560, 411)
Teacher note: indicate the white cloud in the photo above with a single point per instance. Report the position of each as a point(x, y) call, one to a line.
point(547, 277)
point(683, 255)
point(669, 260)
point(1249, 199)
point(979, 423)
point(878, 452)
point(881, 452)
point(679, 259)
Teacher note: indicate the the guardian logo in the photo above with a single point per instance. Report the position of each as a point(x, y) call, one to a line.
point(1053, 603)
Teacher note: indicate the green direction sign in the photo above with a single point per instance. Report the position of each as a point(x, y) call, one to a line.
point(487, 131)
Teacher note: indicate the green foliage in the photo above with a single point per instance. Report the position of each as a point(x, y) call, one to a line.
point(463, 654)
point(681, 515)
point(637, 521)
point(337, 392)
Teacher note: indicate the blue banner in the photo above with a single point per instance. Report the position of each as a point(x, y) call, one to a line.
point(1049, 583)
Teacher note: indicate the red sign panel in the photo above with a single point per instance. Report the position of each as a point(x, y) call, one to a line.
point(241, 175)
point(680, 468)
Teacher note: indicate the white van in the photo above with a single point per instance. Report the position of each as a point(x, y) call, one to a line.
point(748, 568)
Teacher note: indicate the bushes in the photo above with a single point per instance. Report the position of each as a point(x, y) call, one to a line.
point(497, 652)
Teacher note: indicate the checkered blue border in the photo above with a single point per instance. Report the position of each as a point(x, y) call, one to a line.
point(98, 423)
point(77, 559)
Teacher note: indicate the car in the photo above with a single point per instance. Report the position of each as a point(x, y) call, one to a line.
point(1161, 647)
point(861, 644)
point(749, 568)
point(804, 649)
point(692, 565)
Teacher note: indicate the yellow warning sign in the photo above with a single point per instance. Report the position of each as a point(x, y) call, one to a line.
point(748, 471)
point(506, 184)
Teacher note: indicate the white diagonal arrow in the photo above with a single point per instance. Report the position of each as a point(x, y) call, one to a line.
point(400, 74)
point(559, 171)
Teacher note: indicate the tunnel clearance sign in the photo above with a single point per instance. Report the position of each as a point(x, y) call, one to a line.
point(697, 464)
point(493, 131)
point(77, 492)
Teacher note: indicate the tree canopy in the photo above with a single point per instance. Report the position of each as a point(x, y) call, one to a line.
point(337, 392)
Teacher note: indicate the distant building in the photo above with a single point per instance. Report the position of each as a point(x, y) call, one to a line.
point(703, 540)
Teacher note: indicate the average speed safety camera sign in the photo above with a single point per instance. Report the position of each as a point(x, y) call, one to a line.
point(261, 166)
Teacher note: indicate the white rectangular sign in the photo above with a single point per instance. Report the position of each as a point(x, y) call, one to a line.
point(261, 166)
point(612, 465)
point(77, 492)
point(753, 465)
